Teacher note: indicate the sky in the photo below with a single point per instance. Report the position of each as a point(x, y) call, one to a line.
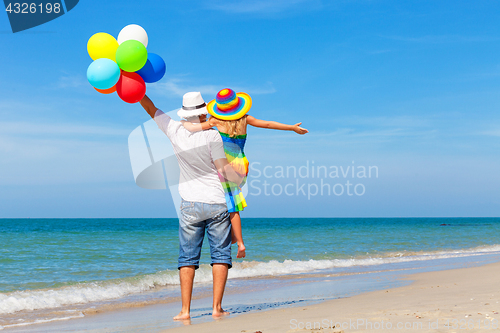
point(408, 88)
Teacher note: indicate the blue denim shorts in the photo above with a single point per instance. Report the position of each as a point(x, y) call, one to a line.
point(196, 217)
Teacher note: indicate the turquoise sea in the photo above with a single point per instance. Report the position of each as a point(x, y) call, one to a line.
point(56, 267)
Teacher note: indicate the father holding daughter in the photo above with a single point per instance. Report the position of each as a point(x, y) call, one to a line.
point(213, 166)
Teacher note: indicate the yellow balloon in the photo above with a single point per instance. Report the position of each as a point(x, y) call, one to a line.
point(102, 45)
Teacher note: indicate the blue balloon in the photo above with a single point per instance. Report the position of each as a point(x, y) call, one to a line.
point(153, 70)
point(103, 73)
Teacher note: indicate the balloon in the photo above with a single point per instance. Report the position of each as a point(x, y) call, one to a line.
point(134, 32)
point(107, 91)
point(102, 45)
point(103, 73)
point(131, 56)
point(131, 87)
point(154, 69)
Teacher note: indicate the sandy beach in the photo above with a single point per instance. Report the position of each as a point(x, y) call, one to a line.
point(451, 300)
point(443, 301)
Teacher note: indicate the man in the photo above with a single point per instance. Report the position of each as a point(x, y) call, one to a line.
point(200, 156)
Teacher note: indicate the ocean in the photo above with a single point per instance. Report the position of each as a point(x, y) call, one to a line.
point(53, 269)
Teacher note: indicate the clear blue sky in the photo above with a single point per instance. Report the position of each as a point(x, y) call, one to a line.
point(411, 87)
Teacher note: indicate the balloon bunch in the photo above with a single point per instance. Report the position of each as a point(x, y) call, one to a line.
point(125, 65)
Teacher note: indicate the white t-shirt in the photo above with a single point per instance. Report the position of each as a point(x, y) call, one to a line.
point(196, 153)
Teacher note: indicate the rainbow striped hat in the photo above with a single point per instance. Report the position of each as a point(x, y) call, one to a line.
point(229, 105)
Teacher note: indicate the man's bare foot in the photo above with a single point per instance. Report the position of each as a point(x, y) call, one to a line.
point(219, 313)
point(182, 316)
point(241, 251)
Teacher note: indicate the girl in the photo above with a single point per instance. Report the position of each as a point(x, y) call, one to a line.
point(229, 115)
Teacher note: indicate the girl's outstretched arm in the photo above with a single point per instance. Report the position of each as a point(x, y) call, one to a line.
point(275, 125)
point(194, 127)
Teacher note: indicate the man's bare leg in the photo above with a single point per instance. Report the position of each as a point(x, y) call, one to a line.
point(219, 272)
point(186, 275)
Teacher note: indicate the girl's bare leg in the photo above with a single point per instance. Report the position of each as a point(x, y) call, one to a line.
point(236, 234)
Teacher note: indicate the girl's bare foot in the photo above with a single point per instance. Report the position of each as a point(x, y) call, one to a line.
point(219, 313)
point(241, 251)
point(182, 316)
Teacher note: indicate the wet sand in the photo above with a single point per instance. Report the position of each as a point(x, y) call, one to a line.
point(443, 301)
point(440, 301)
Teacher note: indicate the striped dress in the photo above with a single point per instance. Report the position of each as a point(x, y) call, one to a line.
point(233, 147)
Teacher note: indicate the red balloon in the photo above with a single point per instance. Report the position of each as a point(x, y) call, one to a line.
point(107, 91)
point(131, 87)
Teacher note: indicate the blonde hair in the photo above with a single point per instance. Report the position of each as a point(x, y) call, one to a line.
point(234, 127)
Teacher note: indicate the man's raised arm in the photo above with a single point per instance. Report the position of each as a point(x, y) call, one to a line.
point(148, 105)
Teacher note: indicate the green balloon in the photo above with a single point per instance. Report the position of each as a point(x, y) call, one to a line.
point(131, 55)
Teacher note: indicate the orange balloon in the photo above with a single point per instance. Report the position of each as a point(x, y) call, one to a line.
point(107, 91)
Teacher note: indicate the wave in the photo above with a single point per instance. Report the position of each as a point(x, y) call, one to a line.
point(276, 268)
point(84, 293)
point(43, 321)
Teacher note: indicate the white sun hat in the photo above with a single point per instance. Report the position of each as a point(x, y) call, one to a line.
point(192, 105)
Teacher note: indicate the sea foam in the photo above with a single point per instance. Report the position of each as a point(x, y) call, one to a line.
point(84, 293)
